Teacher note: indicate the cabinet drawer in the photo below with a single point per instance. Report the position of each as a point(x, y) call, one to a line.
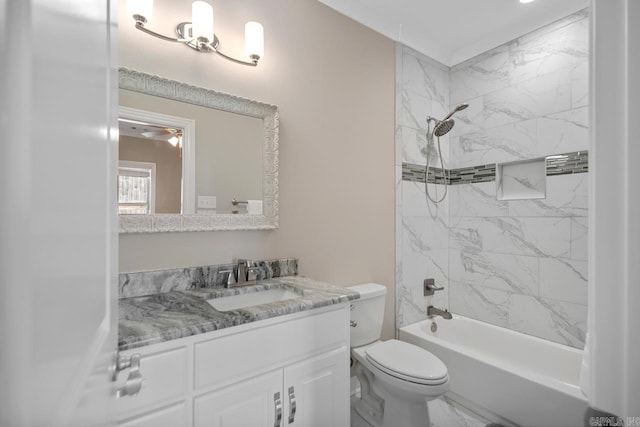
point(164, 376)
point(173, 416)
point(237, 356)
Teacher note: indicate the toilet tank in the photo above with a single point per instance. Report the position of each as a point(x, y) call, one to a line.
point(367, 313)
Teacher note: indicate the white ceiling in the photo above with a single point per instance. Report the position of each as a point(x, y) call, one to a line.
point(452, 31)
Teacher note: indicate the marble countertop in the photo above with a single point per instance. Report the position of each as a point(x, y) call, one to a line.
point(161, 317)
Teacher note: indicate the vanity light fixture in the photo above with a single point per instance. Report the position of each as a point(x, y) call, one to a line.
point(525, 1)
point(198, 34)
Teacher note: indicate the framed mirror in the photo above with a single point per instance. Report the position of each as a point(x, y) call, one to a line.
point(193, 159)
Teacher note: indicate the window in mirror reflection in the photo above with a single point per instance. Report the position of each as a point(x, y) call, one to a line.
point(136, 188)
point(150, 171)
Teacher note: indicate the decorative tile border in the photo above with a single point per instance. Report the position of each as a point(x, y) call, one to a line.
point(562, 164)
point(415, 173)
point(482, 173)
point(557, 164)
point(180, 279)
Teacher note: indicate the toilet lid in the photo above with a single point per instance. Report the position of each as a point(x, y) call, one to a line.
point(408, 362)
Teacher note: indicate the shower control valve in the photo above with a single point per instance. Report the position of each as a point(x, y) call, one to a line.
point(430, 287)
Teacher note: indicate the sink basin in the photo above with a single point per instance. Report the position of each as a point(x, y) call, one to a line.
point(249, 299)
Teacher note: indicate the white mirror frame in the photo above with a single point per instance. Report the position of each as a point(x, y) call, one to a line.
point(158, 86)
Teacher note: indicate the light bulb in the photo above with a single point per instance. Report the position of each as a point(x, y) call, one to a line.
point(140, 7)
point(174, 140)
point(254, 39)
point(202, 19)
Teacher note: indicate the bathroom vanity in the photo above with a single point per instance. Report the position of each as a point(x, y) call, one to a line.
point(278, 363)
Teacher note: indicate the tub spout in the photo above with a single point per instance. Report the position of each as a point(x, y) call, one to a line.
point(433, 311)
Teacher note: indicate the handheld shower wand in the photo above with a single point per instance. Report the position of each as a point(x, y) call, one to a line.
point(442, 127)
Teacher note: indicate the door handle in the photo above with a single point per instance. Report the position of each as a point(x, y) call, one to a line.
point(133, 384)
point(277, 402)
point(292, 404)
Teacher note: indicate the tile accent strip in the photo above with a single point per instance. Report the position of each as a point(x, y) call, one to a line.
point(562, 164)
point(181, 279)
point(415, 173)
point(557, 164)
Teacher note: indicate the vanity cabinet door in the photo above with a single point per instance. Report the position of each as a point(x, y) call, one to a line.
point(316, 391)
point(257, 402)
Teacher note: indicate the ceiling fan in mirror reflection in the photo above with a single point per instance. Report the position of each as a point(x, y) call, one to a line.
point(198, 34)
point(139, 129)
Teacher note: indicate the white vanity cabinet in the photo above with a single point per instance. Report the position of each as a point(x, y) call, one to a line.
point(290, 370)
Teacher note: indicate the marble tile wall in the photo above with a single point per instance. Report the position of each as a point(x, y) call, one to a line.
point(422, 240)
point(521, 264)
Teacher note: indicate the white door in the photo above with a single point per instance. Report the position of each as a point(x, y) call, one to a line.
point(58, 230)
point(256, 402)
point(316, 391)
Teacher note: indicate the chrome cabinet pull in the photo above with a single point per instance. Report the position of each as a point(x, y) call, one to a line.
point(292, 404)
point(133, 384)
point(278, 405)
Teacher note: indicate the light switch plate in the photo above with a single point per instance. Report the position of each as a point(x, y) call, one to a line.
point(207, 202)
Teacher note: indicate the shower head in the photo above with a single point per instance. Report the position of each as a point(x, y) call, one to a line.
point(443, 127)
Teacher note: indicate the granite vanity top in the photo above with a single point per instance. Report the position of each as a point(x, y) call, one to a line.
point(152, 319)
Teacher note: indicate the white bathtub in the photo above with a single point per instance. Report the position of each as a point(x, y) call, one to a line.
point(504, 375)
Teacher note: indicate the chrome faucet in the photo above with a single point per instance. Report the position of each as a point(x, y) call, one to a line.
point(247, 274)
point(433, 311)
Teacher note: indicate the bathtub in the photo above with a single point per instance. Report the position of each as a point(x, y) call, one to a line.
point(506, 376)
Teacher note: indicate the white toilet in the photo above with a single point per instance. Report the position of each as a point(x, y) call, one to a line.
point(396, 378)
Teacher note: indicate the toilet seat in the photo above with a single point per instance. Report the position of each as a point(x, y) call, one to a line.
point(407, 362)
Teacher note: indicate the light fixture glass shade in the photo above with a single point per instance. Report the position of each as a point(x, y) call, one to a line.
point(140, 7)
point(254, 39)
point(526, 1)
point(202, 20)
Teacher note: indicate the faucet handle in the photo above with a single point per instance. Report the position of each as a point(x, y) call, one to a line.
point(252, 273)
point(430, 287)
point(230, 278)
point(246, 262)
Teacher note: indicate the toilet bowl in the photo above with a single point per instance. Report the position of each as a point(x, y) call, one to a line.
point(396, 378)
